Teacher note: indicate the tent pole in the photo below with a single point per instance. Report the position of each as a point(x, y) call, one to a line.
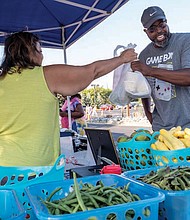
point(65, 61)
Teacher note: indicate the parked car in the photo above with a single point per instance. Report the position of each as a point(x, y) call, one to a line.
point(106, 107)
point(118, 107)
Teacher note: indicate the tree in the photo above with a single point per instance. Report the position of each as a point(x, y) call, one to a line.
point(96, 96)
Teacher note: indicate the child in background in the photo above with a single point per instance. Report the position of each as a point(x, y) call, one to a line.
point(77, 114)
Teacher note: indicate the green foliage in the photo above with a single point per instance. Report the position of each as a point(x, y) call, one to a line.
point(93, 96)
point(96, 96)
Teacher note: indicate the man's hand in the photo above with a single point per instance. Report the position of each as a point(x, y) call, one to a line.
point(143, 68)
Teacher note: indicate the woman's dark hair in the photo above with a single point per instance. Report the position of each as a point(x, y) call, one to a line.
point(17, 51)
point(77, 96)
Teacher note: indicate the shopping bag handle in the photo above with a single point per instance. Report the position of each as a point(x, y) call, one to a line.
point(115, 54)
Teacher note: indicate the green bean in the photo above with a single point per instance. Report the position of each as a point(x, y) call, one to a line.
point(163, 183)
point(56, 206)
point(71, 195)
point(57, 212)
point(100, 183)
point(128, 194)
point(146, 212)
point(110, 198)
point(148, 179)
point(121, 195)
point(76, 208)
point(182, 184)
point(187, 174)
point(126, 187)
point(68, 202)
point(53, 193)
point(177, 188)
point(65, 207)
point(136, 197)
point(101, 199)
point(92, 200)
point(171, 173)
point(95, 192)
point(186, 180)
point(108, 191)
point(78, 195)
point(175, 182)
point(91, 189)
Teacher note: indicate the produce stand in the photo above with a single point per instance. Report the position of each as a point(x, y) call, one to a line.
point(27, 195)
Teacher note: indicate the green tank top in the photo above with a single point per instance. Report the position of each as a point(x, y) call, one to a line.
point(29, 120)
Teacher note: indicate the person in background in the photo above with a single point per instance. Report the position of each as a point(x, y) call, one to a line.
point(76, 109)
point(88, 112)
point(29, 116)
point(81, 122)
point(165, 62)
point(94, 111)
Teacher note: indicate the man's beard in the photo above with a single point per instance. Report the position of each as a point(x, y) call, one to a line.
point(164, 43)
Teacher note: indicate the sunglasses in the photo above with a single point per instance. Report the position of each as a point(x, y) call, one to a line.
point(154, 28)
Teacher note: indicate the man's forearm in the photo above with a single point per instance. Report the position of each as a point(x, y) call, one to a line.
point(176, 77)
point(146, 105)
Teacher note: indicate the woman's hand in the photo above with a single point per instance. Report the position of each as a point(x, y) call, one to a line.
point(128, 55)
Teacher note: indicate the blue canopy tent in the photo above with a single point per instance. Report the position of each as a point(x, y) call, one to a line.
point(58, 23)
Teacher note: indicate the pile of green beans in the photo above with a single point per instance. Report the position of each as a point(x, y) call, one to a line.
point(87, 197)
point(168, 178)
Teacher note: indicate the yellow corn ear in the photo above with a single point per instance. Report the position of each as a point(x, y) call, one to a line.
point(160, 164)
point(165, 160)
point(160, 145)
point(161, 138)
point(179, 134)
point(153, 146)
point(176, 143)
point(187, 131)
point(186, 136)
point(186, 141)
point(174, 129)
point(168, 144)
point(174, 160)
point(179, 128)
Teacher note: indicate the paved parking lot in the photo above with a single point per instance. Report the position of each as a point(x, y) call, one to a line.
point(125, 126)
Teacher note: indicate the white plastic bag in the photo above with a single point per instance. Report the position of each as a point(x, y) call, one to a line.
point(128, 85)
point(118, 95)
point(136, 85)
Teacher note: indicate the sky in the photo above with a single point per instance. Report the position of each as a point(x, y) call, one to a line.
point(121, 28)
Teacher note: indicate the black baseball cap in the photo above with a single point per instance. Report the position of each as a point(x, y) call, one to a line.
point(152, 14)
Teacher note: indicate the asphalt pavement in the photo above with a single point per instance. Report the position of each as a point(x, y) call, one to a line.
point(121, 129)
